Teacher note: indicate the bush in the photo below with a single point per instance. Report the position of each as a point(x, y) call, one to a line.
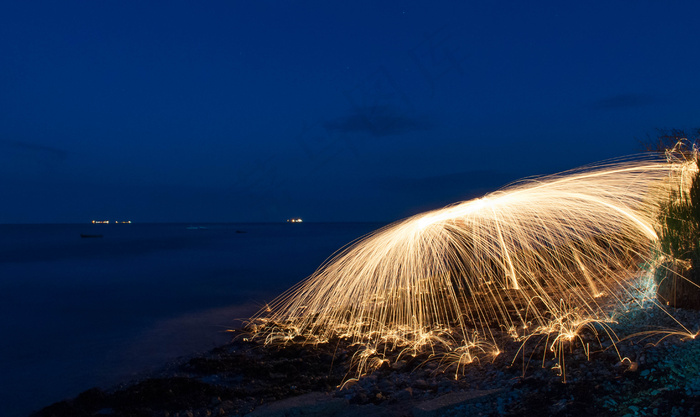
point(678, 228)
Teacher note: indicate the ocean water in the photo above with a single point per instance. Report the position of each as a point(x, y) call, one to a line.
point(82, 312)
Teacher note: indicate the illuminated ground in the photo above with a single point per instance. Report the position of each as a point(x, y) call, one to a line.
point(246, 375)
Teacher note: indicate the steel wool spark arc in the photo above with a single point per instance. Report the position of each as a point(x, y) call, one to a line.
point(539, 256)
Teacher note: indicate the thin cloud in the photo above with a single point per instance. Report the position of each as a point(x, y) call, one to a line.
point(462, 185)
point(622, 101)
point(37, 149)
point(378, 121)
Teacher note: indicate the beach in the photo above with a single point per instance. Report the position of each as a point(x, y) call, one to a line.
point(656, 376)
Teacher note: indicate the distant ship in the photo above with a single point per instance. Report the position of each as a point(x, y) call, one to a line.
point(295, 220)
point(107, 221)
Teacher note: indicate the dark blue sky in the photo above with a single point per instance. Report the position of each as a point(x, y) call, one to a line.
point(331, 111)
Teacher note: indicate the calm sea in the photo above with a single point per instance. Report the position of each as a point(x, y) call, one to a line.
point(79, 312)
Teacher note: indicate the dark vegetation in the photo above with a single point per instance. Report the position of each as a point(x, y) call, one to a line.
point(678, 276)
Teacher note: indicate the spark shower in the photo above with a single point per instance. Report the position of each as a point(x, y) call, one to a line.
point(544, 256)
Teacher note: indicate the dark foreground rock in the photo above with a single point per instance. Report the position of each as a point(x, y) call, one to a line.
point(247, 377)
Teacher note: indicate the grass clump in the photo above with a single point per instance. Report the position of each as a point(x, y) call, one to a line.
point(678, 228)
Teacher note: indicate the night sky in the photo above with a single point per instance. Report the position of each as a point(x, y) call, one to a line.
point(230, 111)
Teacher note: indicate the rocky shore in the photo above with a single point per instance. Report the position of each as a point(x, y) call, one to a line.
point(659, 375)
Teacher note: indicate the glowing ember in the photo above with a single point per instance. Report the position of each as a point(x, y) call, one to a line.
point(550, 255)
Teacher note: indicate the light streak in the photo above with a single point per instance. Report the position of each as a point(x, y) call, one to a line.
point(547, 256)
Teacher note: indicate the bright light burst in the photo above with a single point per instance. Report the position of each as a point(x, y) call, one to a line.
point(542, 256)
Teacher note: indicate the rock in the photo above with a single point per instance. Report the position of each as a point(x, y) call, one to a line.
point(367, 410)
point(420, 384)
point(312, 404)
point(404, 395)
point(361, 398)
point(438, 406)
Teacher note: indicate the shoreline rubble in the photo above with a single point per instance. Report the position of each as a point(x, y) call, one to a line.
point(658, 376)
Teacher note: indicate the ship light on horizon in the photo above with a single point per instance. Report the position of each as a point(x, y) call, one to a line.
point(107, 221)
